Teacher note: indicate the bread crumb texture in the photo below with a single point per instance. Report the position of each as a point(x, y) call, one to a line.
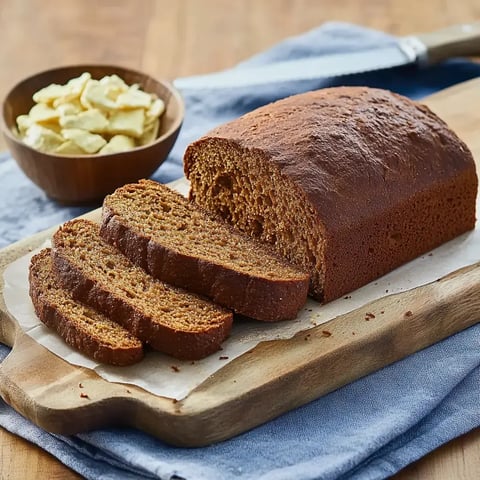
point(80, 326)
point(178, 242)
point(169, 319)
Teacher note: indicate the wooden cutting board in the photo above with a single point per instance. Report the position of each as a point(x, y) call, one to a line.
point(276, 376)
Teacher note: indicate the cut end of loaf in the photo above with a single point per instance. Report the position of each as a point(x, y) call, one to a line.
point(240, 186)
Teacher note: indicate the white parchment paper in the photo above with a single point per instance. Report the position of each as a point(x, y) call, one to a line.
point(169, 377)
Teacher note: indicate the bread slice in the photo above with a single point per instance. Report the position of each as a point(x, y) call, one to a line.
point(80, 326)
point(171, 320)
point(175, 241)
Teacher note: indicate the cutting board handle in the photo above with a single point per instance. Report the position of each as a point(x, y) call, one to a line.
point(456, 41)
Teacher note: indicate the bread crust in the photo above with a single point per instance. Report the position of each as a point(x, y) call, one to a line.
point(247, 294)
point(68, 328)
point(386, 178)
point(185, 345)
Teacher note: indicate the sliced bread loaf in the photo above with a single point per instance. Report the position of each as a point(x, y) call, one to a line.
point(171, 320)
point(347, 182)
point(177, 242)
point(80, 326)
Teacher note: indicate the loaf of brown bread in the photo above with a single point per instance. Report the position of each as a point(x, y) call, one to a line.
point(177, 242)
point(171, 320)
point(346, 182)
point(80, 326)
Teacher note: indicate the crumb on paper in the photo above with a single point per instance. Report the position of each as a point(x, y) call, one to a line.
point(386, 291)
point(369, 315)
point(128, 391)
point(223, 357)
point(307, 336)
point(84, 395)
point(347, 297)
point(174, 400)
point(326, 333)
point(409, 313)
point(308, 321)
point(80, 385)
point(175, 368)
point(430, 254)
point(382, 311)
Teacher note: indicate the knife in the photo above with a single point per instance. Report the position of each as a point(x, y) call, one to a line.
point(423, 49)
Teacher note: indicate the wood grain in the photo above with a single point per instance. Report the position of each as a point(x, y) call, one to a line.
point(171, 39)
point(272, 379)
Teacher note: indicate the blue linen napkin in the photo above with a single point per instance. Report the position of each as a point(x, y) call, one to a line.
point(369, 429)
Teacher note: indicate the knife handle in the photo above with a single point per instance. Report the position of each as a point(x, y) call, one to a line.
point(456, 41)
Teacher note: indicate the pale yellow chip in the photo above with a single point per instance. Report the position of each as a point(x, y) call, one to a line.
point(150, 134)
point(127, 122)
point(41, 138)
point(114, 86)
point(156, 108)
point(54, 126)
point(69, 108)
point(49, 94)
point(24, 122)
point(91, 120)
point(55, 93)
point(41, 113)
point(69, 148)
point(90, 142)
point(77, 84)
point(95, 95)
point(114, 81)
point(134, 99)
point(118, 143)
point(73, 90)
point(112, 92)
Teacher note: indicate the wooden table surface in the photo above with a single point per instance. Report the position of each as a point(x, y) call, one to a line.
point(181, 37)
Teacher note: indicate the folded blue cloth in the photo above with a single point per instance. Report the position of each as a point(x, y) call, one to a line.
point(369, 429)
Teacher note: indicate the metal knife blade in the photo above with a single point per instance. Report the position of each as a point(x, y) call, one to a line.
point(422, 49)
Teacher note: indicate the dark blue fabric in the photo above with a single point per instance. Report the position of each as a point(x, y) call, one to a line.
point(369, 429)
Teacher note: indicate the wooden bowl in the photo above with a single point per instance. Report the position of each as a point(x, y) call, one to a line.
point(87, 178)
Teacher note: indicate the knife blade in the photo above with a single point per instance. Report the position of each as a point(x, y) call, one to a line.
point(424, 49)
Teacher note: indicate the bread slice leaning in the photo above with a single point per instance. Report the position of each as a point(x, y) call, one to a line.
point(80, 326)
point(171, 320)
point(177, 242)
